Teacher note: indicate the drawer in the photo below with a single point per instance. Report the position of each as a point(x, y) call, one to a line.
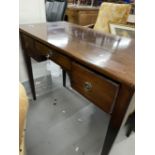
point(39, 52)
point(60, 59)
point(29, 46)
point(98, 89)
point(41, 48)
point(28, 42)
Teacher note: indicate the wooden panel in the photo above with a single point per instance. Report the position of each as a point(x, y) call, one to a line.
point(55, 56)
point(87, 17)
point(82, 15)
point(60, 59)
point(97, 89)
point(29, 45)
point(41, 48)
point(36, 49)
point(28, 42)
point(72, 16)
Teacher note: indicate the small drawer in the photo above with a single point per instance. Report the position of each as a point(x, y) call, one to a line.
point(60, 59)
point(52, 54)
point(28, 42)
point(98, 89)
point(41, 52)
point(41, 48)
point(31, 50)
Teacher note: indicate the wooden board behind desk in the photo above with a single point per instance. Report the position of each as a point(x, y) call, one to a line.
point(100, 66)
point(82, 15)
point(85, 15)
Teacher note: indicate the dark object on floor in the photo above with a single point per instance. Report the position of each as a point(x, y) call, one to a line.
point(130, 123)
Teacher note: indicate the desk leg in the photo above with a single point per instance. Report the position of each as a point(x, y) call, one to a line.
point(30, 75)
point(64, 77)
point(109, 140)
point(117, 117)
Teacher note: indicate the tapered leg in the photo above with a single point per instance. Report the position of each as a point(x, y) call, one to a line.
point(109, 140)
point(64, 77)
point(130, 129)
point(30, 75)
point(117, 117)
point(130, 124)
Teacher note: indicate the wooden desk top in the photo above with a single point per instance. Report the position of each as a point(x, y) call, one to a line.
point(110, 55)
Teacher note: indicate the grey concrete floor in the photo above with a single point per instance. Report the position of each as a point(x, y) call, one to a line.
point(62, 122)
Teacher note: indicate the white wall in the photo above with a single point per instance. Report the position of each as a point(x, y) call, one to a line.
point(30, 11)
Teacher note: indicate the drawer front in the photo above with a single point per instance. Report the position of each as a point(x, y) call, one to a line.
point(34, 46)
point(29, 46)
point(53, 55)
point(40, 52)
point(60, 59)
point(96, 88)
point(41, 48)
point(28, 42)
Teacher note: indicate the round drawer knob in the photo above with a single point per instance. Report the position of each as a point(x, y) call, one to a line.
point(87, 86)
point(50, 53)
point(47, 56)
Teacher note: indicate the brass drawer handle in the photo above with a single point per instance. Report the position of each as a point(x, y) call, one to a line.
point(47, 56)
point(87, 86)
point(50, 53)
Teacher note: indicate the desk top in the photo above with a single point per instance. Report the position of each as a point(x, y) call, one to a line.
point(110, 55)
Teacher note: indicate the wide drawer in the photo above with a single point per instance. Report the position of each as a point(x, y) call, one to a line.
point(98, 89)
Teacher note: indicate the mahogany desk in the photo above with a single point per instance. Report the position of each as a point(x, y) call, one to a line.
point(100, 66)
